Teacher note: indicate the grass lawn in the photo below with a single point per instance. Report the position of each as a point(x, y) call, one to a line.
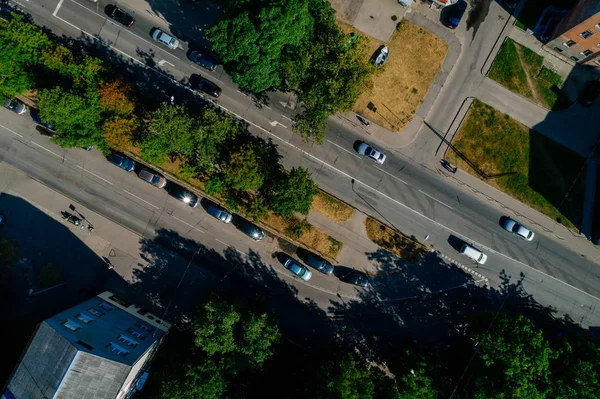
point(394, 241)
point(520, 70)
point(332, 208)
point(541, 171)
point(415, 57)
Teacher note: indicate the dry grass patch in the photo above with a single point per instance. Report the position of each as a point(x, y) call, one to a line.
point(415, 57)
point(332, 208)
point(394, 241)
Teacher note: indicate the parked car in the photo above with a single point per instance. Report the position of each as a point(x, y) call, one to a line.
point(185, 196)
point(590, 94)
point(121, 161)
point(45, 128)
point(199, 83)
point(219, 214)
point(203, 60)
point(297, 269)
point(319, 263)
point(15, 106)
point(356, 278)
point(251, 230)
point(152, 177)
point(119, 15)
point(371, 152)
point(165, 39)
point(473, 253)
point(456, 14)
point(520, 231)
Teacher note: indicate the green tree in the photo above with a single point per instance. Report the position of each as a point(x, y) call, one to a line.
point(575, 372)
point(246, 168)
point(294, 193)
point(173, 131)
point(118, 132)
point(345, 379)
point(256, 208)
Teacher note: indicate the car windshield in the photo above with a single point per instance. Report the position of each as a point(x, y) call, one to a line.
point(296, 269)
point(172, 41)
point(516, 228)
point(155, 179)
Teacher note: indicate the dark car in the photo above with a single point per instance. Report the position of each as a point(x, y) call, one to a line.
point(456, 14)
point(220, 214)
point(45, 128)
point(590, 94)
point(203, 60)
point(120, 15)
point(251, 230)
point(121, 161)
point(185, 196)
point(318, 263)
point(356, 278)
point(199, 83)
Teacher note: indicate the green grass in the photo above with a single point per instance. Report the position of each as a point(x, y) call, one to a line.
point(538, 171)
point(519, 25)
point(520, 70)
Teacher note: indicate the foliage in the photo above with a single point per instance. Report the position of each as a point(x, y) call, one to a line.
point(297, 227)
point(294, 193)
point(215, 185)
point(59, 59)
point(246, 167)
point(256, 208)
point(173, 129)
point(118, 132)
point(8, 251)
point(116, 97)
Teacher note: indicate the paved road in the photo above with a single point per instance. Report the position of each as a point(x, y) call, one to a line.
point(406, 191)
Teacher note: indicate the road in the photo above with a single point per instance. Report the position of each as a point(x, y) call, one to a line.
point(406, 192)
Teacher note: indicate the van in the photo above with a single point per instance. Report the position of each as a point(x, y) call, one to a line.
point(473, 253)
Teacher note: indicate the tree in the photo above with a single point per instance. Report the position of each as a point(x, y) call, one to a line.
point(256, 208)
point(116, 97)
point(60, 59)
point(118, 132)
point(75, 117)
point(345, 379)
point(294, 193)
point(173, 131)
point(246, 168)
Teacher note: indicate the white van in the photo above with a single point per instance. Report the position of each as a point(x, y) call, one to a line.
point(473, 253)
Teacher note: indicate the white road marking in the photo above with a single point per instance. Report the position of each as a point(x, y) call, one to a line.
point(291, 120)
point(44, 148)
point(95, 175)
point(223, 242)
point(13, 132)
point(391, 175)
point(162, 62)
point(189, 225)
point(243, 253)
point(266, 106)
point(57, 8)
point(243, 94)
point(435, 199)
point(275, 123)
point(343, 149)
point(141, 199)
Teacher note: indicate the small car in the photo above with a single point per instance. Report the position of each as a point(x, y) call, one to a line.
point(590, 94)
point(152, 177)
point(186, 197)
point(320, 264)
point(520, 231)
point(456, 14)
point(204, 61)
point(120, 15)
point(251, 230)
point(121, 161)
point(356, 278)
point(199, 83)
point(15, 106)
point(297, 269)
point(371, 152)
point(165, 39)
point(219, 214)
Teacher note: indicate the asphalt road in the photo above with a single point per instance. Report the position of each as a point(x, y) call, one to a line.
point(405, 191)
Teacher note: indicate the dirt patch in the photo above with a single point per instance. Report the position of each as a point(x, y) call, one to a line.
point(332, 208)
point(394, 241)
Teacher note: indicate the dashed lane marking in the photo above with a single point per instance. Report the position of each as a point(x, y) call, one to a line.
point(187, 224)
point(141, 199)
point(95, 175)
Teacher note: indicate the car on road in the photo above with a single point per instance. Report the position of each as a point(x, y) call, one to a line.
point(251, 230)
point(590, 94)
point(121, 161)
point(185, 196)
point(119, 15)
point(371, 152)
point(203, 60)
point(297, 269)
point(520, 231)
point(455, 14)
point(356, 278)
point(220, 214)
point(319, 263)
point(15, 106)
point(165, 39)
point(199, 83)
point(152, 177)
point(473, 253)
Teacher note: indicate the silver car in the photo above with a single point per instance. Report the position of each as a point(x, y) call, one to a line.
point(165, 39)
point(219, 214)
point(152, 177)
point(520, 231)
point(371, 152)
point(15, 106)
point(298, 270)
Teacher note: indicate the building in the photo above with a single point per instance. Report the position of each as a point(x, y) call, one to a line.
point(577, 35)
point(100, 348)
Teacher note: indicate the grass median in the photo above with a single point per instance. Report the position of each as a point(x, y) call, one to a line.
point(394, 241)
point(332, 208)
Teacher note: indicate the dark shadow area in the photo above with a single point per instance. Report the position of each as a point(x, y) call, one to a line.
point(541, 17)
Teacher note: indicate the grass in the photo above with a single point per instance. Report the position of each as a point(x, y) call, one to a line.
point(332, 208)
point(394, 241)
point(415, 57)
point(537, 171)
point(520, 70)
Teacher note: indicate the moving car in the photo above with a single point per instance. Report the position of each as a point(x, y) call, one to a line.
point(185, 196)
point(219, 214)
point(371, 152)
point(520, 231)
point(202, 60)
point(152, 177)
point(590, 94)
point(199, 83)
point(473, 253)
point(319, 263)
point(456, 14)
point(251, 230)
point(165, 39)
point(15, 106)
point(121, 161)
point(119, 15)
point(298, 270)
point(356, 278)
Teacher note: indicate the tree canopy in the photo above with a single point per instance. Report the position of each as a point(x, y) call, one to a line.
point(294, 193)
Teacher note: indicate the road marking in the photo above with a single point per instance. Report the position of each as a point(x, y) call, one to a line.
point(391, 175)
point(93, 174)
point(243, 94)
point(243, 253)
point(343, 149)
point(163, 62)
point(291, 120)
point(275, 123)
point(44, 148)
point(57, 8)
point(266, 106)
point(189, 225)
point(13, 132)
point(224, 243)
point(141, 199)
point(435, 199)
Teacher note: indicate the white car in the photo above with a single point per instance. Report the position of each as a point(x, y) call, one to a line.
point(165, 39)
point(515, 228)
point(373, 153)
